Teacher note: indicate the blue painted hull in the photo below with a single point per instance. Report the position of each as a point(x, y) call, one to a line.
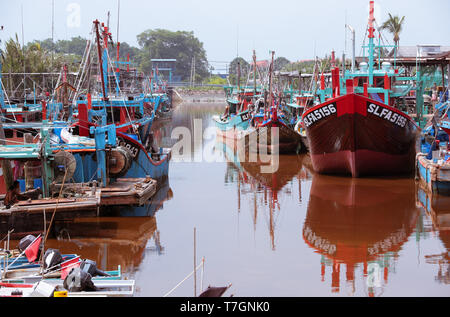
point(143, 164)
point(437, 181)
point(22, 262)
point(240, 122)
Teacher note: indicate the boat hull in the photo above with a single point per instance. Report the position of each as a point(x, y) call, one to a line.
point(231, 127)
point(356, 135)
point(435, 178)
point(289, 141)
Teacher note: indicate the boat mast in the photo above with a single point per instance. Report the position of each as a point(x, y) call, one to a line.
point(239, 77)
point(254, 74)
point(371, 44)
point(100, 62)
point(270, 80)
point(353, 46)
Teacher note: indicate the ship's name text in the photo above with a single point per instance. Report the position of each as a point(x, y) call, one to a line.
point(387, 114)
point(318, 114)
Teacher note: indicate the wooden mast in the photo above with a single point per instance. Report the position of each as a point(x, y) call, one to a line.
point(100, 62)
point(254, 74)
point(270, 81)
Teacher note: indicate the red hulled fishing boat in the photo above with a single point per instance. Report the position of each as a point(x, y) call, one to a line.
point(358, 130)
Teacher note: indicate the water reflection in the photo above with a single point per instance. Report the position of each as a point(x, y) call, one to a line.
point(156, 203)
point(108, 241)
point(359, 222)
point(266, 190)
point(122, 238)
point(437, 208)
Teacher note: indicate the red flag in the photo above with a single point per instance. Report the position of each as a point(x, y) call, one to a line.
point(32, 250)
point(68, 265)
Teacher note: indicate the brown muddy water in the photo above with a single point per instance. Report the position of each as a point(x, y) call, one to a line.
point(290, 233)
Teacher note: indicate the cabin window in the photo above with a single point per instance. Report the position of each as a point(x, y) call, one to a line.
point(379, 82)
point(233, 108)
point(9, 133)
point(116, 112)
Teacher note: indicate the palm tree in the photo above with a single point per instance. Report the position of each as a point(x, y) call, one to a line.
point(394, 26)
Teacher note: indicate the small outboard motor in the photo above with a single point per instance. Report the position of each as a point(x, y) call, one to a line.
point(79, 281)
point(90, 267)
point(52, 259)
point(25, 242)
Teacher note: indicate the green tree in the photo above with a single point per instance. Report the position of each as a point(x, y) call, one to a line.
point(394, 25)
point(33, 58)
point(280, 62)
point(76, 45)
point(180, 45)
point(216, 80)
point(126, 49)
point(302, 66)
point(233, 70)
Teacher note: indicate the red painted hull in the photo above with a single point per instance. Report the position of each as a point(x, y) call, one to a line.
point(356, 135)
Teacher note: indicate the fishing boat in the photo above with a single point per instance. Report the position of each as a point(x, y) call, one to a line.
point(270, 129)
point(433, 162)
point(357, 128)
point(26, 275)
point(237, 115)
point(240, 101)
point(272, 134)
point(139, 156)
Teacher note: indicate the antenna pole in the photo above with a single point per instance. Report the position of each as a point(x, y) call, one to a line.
point(53, 33)
point(118, 19)
point(23, 53)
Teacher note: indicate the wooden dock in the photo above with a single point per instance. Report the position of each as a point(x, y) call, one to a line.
point(124, 191)
point(129, 191)
point(29, 215)
point(78, 200)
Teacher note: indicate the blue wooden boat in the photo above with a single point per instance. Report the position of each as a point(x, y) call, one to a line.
point(93, 119)
point(237, 115)
point(435, 175)
point(22, 263)
point(30, 276)
point(433, 163)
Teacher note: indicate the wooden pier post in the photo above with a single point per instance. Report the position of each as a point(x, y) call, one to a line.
point(6, 164)
point(28, 166)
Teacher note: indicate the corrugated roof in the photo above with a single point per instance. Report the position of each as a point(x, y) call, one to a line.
point(420, 50)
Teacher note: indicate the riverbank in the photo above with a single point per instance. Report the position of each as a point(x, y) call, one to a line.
point(202, 95)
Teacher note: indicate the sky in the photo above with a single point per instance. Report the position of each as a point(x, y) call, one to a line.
point(295, 29)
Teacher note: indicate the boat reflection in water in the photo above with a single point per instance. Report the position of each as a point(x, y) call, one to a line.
point(113, 241)
point(265, 190)
point(359, 224)
point(437, 208)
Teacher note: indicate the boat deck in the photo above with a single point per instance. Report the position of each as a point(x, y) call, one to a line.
point(124, 191)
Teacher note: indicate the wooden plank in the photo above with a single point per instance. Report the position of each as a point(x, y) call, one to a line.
point(117, 189)
point(44, 201)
